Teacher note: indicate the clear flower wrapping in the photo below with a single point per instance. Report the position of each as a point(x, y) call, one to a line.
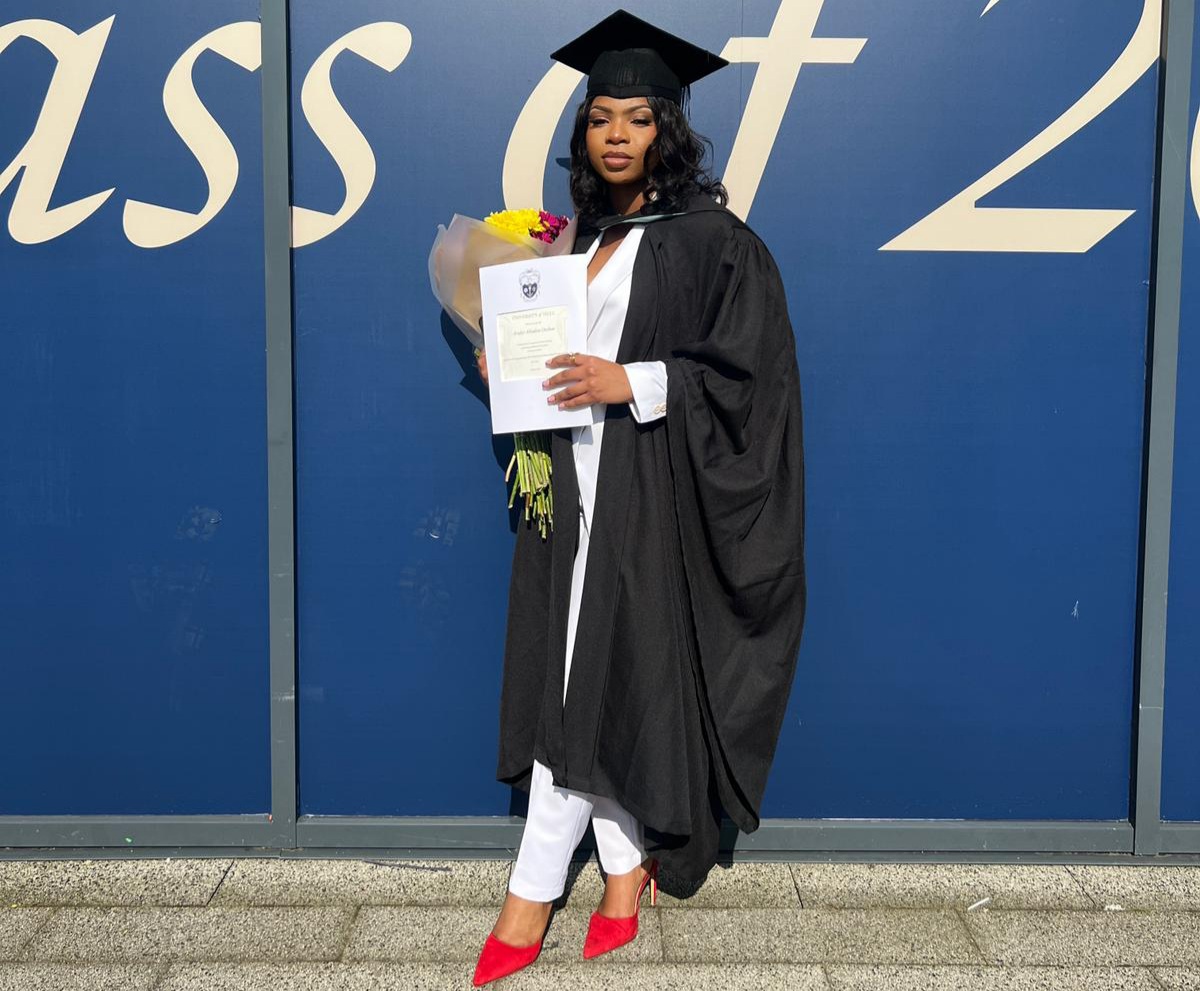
point(464, 247)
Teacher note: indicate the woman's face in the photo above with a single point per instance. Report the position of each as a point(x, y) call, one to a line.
point(619, 133)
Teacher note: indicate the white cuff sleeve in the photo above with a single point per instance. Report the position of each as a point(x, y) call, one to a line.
point(648, 380)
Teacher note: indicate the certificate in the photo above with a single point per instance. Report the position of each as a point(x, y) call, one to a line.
point(527, 339)
point(532, 310)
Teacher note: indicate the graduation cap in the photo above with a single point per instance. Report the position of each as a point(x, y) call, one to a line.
point(625, 56)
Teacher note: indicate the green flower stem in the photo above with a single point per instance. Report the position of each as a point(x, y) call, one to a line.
point(531, 459)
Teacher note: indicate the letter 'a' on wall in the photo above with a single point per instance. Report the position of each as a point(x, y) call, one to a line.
point(40, 160)
point(133, 508)
point(1181, 707)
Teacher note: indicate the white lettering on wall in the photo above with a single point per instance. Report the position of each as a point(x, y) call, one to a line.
point(960, 225)
point(385, 44)
point(1195, 166)
point(31, 221)
point(529, 144)
point(788, 46)
point(150, 226)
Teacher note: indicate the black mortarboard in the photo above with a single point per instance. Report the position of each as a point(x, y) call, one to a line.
point(625, 56)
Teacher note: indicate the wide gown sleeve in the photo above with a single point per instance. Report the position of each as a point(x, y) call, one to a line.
point(734, 428)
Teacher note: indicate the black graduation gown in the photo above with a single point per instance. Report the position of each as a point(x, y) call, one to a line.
point(694, 595)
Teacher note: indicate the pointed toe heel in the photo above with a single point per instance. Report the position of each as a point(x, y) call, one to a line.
point(499, 959)
point(605, 934)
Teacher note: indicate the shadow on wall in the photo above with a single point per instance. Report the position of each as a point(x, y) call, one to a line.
point(502, 444)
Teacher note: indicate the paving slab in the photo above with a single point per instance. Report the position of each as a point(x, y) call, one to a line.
point(78, 977)
point(540, 976)
point(275, 881)
point(971, 978)
point(1145, 886)
point(1095, 938)
point(741, 885)
point(713, 935)
point(166, 881)
point(959, 886)
point(430, 935)
point(1178, 978)
point(112, 935)
point(17, 927)
point(671, 977)
point(348, 924)
point(319, 977)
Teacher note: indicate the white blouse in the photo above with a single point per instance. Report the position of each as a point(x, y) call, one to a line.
point(608, 301)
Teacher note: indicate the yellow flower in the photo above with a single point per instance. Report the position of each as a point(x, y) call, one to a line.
point(516, 221)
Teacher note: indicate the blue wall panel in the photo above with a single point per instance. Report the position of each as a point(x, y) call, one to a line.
point(1181, 711)
point(133, 608)
point(973, 417)
point(973, 412)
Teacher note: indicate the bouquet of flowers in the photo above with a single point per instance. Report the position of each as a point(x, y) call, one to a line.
point(459, 251)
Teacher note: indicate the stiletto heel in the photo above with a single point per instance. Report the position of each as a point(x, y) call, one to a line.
point(605, 934)
point(499, 959)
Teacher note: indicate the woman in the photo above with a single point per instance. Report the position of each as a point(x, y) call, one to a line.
point(652, 638)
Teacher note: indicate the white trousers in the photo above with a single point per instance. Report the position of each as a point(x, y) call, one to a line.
point(558, 817)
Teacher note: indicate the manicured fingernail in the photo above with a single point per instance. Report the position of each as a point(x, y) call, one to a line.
point(550, 399)
point(545, 382)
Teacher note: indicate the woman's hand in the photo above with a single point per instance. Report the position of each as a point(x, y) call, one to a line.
point(481, 364)
point(587, 380)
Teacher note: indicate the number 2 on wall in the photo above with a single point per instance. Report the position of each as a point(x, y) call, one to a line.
point(961, 225)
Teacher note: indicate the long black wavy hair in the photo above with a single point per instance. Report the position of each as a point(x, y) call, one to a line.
point(679, 174)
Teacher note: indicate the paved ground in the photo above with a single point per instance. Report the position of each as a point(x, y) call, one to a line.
point(351, 925)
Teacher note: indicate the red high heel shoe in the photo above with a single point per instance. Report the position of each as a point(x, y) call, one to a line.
point(499, 959)
point(606, 934)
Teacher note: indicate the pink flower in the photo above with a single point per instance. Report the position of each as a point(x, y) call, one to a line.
point(553, 225)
